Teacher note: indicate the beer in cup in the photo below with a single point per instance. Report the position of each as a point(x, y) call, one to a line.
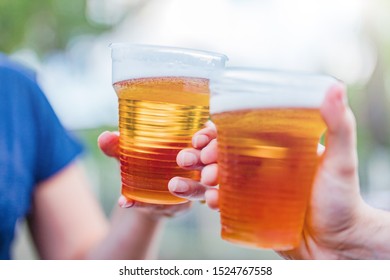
point(269, 126)
point(163, 95)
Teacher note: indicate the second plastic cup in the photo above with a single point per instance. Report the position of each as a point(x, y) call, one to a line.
point(163, 95)
point(269, 126)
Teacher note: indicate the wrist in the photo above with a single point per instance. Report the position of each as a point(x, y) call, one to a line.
point(368, 239)
point(378, 223)
point(149, 215)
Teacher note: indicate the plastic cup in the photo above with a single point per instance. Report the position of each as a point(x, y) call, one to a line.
point(163, 95)
point(269, 126)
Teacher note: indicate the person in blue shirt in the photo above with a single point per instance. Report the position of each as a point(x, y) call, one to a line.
point(339, 223)
point(42, 181)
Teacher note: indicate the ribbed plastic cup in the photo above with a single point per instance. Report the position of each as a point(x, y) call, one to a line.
point(163, 95)
point(269, 126)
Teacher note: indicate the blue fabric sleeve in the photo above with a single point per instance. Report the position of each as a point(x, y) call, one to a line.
point(33, 146)
point(56, 147)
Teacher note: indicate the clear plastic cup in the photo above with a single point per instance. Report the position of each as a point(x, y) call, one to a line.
point(269, 126)
point(163, 95)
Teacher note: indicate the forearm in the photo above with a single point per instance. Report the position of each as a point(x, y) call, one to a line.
point(131, 236)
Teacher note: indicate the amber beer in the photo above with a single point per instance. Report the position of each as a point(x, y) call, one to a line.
point(163, 96)
point(268, 127)
point(157, 118)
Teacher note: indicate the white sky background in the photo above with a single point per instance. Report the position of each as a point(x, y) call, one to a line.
point(321, 36)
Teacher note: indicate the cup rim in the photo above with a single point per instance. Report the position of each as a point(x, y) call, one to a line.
point(168, 49)
point(251, 73)
point(242, 88)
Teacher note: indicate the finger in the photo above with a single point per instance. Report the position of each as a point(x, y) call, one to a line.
point(187, 188)
point(204, 136)
point(209, 153)
point(108, 142)
point(209, 175)
point(340, 155)
point(162, 210)
point(189, 159)
point(211, 197)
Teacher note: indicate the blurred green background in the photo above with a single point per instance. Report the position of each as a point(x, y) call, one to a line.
point(66, 42)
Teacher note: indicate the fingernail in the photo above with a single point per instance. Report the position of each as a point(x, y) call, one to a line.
point(210, 124)
point(178, 186)
point(128, 204)
point(102, 134)
point(200, 141)
point(124, 203)
point(188, 159)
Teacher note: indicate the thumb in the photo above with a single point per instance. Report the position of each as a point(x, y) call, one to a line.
point(340, 155)
point(108, 142)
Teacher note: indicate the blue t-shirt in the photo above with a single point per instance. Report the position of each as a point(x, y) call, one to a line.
point(33, 146)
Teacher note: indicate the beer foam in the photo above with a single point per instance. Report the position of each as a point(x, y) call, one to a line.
point(237, 90)
point(131, 61)
point(242, 101)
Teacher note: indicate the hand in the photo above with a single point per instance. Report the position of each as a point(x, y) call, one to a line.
point(109, 144)
point(337, 216)
point(204, 157)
